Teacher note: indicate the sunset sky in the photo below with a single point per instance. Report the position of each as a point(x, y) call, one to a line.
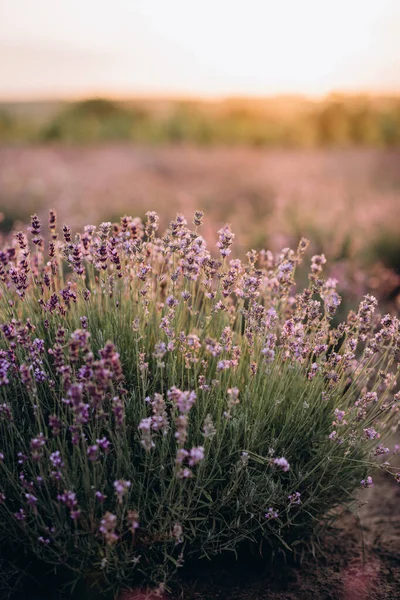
point(55, 48)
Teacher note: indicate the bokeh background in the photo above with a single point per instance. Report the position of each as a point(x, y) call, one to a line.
point(280, 118)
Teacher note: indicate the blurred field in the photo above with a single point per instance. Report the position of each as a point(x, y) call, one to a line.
point(284, 121)
point(346, 201)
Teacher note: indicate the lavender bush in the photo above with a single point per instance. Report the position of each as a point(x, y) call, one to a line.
point(160, 402)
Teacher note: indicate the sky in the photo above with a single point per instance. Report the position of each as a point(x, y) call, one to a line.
point(72, 48)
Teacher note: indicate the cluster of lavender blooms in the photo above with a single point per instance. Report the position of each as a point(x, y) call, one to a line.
point(152, 387)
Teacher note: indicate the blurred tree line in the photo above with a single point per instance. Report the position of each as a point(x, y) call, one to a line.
point(282, 121)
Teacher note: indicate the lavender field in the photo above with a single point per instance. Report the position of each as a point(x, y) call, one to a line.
point(345, 201)
point(174, 396)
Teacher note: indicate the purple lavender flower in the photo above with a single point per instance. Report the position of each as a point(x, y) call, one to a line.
point(56, 459)
point(183, 400)
point(225, 240)
point(185, 473)
point(271, 513)
point(43, 540)
point(5, 412)
point(367, 483)
point(146, 437)
point(69, 499)
point(4, 366)
point(93, 452)
point(20, 515)
point(282, 463)
point(181, 456)
point(103, 443)
point(339, 414)
point(295, 498)
point(118, 411)
point(371, 434)
point(107, 528)
point(132, 519)
point(121, 487)
point(196, 456)
point(55, 425)
point(31, 500)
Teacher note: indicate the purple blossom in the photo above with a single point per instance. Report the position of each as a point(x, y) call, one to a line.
point(22, 458)
point(225, 240)
point(107, 528)
point(4, 366)
point(196, 456)
point(371, 434)
point(31, 500)
point(20, 515)
point(146, 437)
point(183, 400)
point(43, 540)
point(69, 499)
point(55, 425)
point(103, 443)
point(133, 520)
point(56, 459)
point(185, 473)
point(93, 453)
point(181, 455)
point(121, 487)
point(271, 513)
point(118, 411)
point(295, 498)
point(381, 450)
point(367, 483)
point(282, 463)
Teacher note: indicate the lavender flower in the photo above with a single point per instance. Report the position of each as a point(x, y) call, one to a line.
point(183, 400)
point(31, 500)
point(107, 528)
point(100, 496)
point(367, 483)
point(103, 443)
point(132, 520)
point(56, 459)
point(282, 463)
point(121, 487)
point(225, 241)
point(20, 515)
point(295, 498)
point(196, 455)
point(43, 540)
point(271, 514)
point(93, 452)
point(371, 434)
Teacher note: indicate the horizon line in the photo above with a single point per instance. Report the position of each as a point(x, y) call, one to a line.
point(187, 96)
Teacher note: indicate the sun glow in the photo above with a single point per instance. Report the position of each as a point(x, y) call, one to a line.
point(51, 47)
